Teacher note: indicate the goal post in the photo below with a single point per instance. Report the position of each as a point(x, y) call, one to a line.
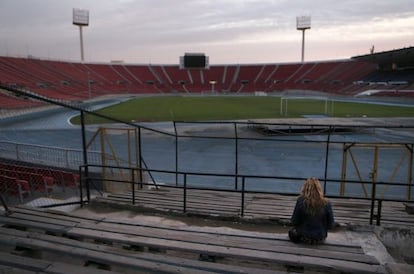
point(327, 108)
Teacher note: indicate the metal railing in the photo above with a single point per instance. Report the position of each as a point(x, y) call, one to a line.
point(239, 188)
point(47, 155)
point(73, 158)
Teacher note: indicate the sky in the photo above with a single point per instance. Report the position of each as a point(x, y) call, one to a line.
point(227, 31)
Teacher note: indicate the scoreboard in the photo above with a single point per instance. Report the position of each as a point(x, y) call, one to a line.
point(194, 60)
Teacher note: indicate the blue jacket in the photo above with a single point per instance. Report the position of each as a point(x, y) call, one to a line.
point(312, 226)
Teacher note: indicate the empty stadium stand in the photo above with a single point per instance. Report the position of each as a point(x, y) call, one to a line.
point(9, 101)
point(72, 81)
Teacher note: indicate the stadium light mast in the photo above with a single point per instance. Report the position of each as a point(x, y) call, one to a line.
point(81, 19)
point(303, 23)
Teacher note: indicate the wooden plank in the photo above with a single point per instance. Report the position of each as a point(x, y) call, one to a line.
point(43, 266)
point(24, 263)
point(147, 262)
point(231, 243)
point(313, 262)
point(208, 244)
point(220, 240)
point(195, 207)
point(202, 197)
point(253, 213)
point(42, 219)
point(265, 205)
point(104, 258)
point(11, 270)
point(55, 214)
point(271, 242)
point(200, 249)
point(33, 224)
point(65, 268)
point(344, 217)
point(200, 201)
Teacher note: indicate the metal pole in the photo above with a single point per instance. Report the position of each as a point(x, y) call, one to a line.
point(303, 45)
point(81, 42)
point(410, 172)
point(373, 195)
point(176, 154)
point(326, 159)
point(344, 166)
point(133, 185)
point(242, 198)
point(379, 212)
point(85, 155)
point(236, 167)
point(185, 194)
point(140, 158)
point(80, 186)
point(129, 148)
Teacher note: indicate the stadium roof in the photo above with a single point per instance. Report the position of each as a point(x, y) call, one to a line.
point(401, 58)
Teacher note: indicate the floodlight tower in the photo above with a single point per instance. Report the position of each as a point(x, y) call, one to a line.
point(303, 23)
point(81, 19)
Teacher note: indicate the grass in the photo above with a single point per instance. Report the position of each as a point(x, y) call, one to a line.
point(188, 108)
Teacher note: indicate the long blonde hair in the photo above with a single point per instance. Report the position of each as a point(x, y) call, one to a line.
point(312, 194)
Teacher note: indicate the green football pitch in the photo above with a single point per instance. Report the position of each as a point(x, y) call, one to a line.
point(210, 108)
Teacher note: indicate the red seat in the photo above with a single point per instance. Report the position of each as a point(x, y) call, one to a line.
point(70, 179)
point(37, 181)
point(7, 172)
point(15, 187)
point(57, 176)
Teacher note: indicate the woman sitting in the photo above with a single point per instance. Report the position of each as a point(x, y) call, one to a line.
point(313, 215)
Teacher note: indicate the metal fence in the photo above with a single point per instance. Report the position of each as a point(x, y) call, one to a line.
point(230, 152)
point(229, 149)
point(46, 155)
point(241, 188)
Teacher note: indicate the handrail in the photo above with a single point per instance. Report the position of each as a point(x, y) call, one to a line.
point(243, 191)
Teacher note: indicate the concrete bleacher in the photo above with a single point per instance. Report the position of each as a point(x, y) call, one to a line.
point(394, 83)
point(72, 81)
point(197, 80)
point(106, 78)
point(10, 73)
point(41, 77)
point(246, 77)
point(178, 79)
point(12, 102)
point(215, 74)
point(263, 79)
point(147, 244)
point(144, 74)
point(126, 74)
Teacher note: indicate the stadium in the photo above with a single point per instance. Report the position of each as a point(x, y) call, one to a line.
point(86, 187)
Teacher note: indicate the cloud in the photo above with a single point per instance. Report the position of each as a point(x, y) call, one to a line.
point(139, 30)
